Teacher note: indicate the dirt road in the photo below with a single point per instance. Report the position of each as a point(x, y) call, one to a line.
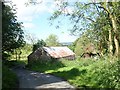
point(34, 80)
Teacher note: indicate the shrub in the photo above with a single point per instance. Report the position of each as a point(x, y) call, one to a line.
point(102, 74)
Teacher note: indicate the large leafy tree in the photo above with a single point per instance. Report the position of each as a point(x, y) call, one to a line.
point(106, 27)
point(111, 9)
point(12, 33)
point(81, 44)
point(40, 43)
point(101, 18)
point(52, 40)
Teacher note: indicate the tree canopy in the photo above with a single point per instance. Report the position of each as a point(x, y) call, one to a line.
point(102, 19)
point(40, 43)
point(52, 40)
point(12, 33)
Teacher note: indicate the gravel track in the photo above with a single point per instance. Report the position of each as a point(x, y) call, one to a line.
point(35, 80)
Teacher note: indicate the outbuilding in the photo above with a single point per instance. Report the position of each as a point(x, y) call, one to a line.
point(90, 52)
point(48, 53)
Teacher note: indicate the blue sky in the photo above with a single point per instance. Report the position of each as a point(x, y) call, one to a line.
point(36, 23)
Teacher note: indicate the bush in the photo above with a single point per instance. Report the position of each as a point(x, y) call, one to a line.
point(101, 74)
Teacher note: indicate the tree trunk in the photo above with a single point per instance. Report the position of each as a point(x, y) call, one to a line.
point(116, 42)
point(16, 55)
point(19, 56)
point(110, 44)
point(116, 46)
point(106, 7)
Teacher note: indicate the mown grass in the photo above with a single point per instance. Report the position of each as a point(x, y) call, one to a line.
point(83, 73)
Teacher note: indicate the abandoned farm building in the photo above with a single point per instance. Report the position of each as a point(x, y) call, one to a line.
point(47, 53)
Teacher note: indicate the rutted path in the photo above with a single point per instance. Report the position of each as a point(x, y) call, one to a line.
point(35, 80)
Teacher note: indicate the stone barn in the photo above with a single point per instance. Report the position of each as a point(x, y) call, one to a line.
point(48, 53)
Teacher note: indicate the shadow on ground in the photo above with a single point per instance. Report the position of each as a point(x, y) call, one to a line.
point(31, 79)
point(70, 74)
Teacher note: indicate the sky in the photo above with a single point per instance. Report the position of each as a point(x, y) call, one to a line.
point(36, 21)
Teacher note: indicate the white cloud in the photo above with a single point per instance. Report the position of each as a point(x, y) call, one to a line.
point(25, 13)
point(30, 12)
point(65, 37)
point(29, 25)
point(25, 19)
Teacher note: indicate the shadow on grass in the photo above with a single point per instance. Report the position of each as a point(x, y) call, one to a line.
point(42, 66)
point(9, 79)
point(55, 65)
point(70, 74)
point(15, 63)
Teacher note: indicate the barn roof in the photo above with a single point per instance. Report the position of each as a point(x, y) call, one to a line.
point(58, 52)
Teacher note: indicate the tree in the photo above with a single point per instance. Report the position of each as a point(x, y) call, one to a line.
point(108, 31)
point(52, 40)
point(81, 43)
point(31, 38)
point(111, 8)
point(22, 52)
point(12, 33)
point(102, 18)
point(40, 43)
point(86, 16)
point(72, 46)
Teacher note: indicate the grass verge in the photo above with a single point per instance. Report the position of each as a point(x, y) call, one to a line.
point(84, 73)
point(9, 79)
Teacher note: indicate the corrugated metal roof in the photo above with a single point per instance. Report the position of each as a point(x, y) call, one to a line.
point(58, 52)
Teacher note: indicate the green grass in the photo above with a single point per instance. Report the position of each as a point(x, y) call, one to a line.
point(83, 72)
point(45, 66)
point(13, 63)
point(23, 61)
point(9, 79)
